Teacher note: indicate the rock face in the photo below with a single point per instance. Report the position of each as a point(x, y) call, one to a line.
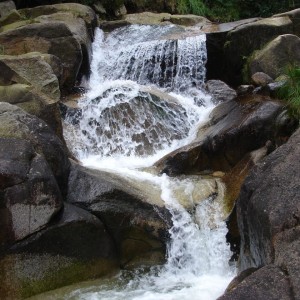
point(268, 212)
point(75, 247)
point(276, 56)
point(220, 91)
point(6, 7)
point(135, 217)
point(236, 128)
point(34, 170)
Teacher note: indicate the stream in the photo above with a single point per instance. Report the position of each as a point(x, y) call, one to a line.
point(146, 99)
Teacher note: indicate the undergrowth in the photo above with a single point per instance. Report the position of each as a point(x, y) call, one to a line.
point(290, 91)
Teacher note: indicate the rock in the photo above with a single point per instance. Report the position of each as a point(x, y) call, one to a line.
point(156, 6)
point(294, 15)
point(242, 41)
point(30, 196)
point(276, 56)
point(268, 283)
point(261, 79)
point(243, 90)
point(236, 128)
point(30, 81)
point(220, 91)
point(112, 25)
point(133, 214)
point(75, 247)
point(6, 7)
point(77, 10)
point(268, 205)
point(47, 38)
point(30, 69)
point(147, 18)
point(12, 17)
point(17, 124)
point(121, 11)
point(189, 20)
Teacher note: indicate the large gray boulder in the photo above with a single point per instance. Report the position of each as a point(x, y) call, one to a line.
point(74, 248)
point(268, 211)
point(133, 214)
point(236, 128)
point(276, 56)
point(6, 7)
point(48, 38)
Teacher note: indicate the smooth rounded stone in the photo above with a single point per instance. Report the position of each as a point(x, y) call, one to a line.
point(74, 248)
point(276, 56)
point(267, 283)
point(16, 123)
point(268, 204)
point(261, 79)
point(47, 38)
point(220, 91)
point(236, 128)
point(6, 7)
point(132, 212)
point(243, 40)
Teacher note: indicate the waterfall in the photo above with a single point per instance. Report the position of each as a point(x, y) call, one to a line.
point(145, 99)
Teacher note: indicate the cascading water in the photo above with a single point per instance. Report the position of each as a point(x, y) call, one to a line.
point(127, 122)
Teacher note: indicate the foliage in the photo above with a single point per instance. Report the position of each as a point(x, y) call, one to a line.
point(196, 7)
point(290, 91)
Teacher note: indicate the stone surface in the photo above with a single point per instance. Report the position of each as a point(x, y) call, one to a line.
point(189, 20)
point(147, 18)
point(276, 56)
point(6, 7)
point(16, 123)
point(294, 15)
point(236, 128)
point(268, 204)
point(47, 38)
point(220, 91)
point(133, 214)
point(261, 79)
point(268, 283)
point(75, 247)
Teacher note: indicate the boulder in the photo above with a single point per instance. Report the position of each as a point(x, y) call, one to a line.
point(31, 82)
point(11, 17)
point(268, 211)
point(236, 128)
point(269, 205)
point(189, 20)
point(30, 196)
point(268, 283)
point(6, 7)
point(220, 91)
point(243, 40)
point(17, 124)
point(77, 10)
point(74, 248)
point(294, 15)
point(47, 38)
point(276, 56)
point(147, 18)
point(133, 214)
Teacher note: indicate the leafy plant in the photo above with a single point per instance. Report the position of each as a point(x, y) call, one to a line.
point(290, 91)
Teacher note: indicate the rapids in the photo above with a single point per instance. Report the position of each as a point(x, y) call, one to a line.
point(124, 127)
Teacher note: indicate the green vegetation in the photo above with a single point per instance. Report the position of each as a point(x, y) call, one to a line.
point(230, 10)
point(290, 91)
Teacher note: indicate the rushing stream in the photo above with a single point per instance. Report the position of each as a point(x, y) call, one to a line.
point(144, 101)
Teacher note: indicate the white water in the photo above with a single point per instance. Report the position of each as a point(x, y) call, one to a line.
point(124, 135)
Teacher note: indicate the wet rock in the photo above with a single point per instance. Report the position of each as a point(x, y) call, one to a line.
point(147, 18)
point(274, 58)
point(245, 89)
point(189, 20)
point(220, 91)
point(133, 213)
point(268, 283)
point(261, 79)
point(75, 247)
point(236, 128)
